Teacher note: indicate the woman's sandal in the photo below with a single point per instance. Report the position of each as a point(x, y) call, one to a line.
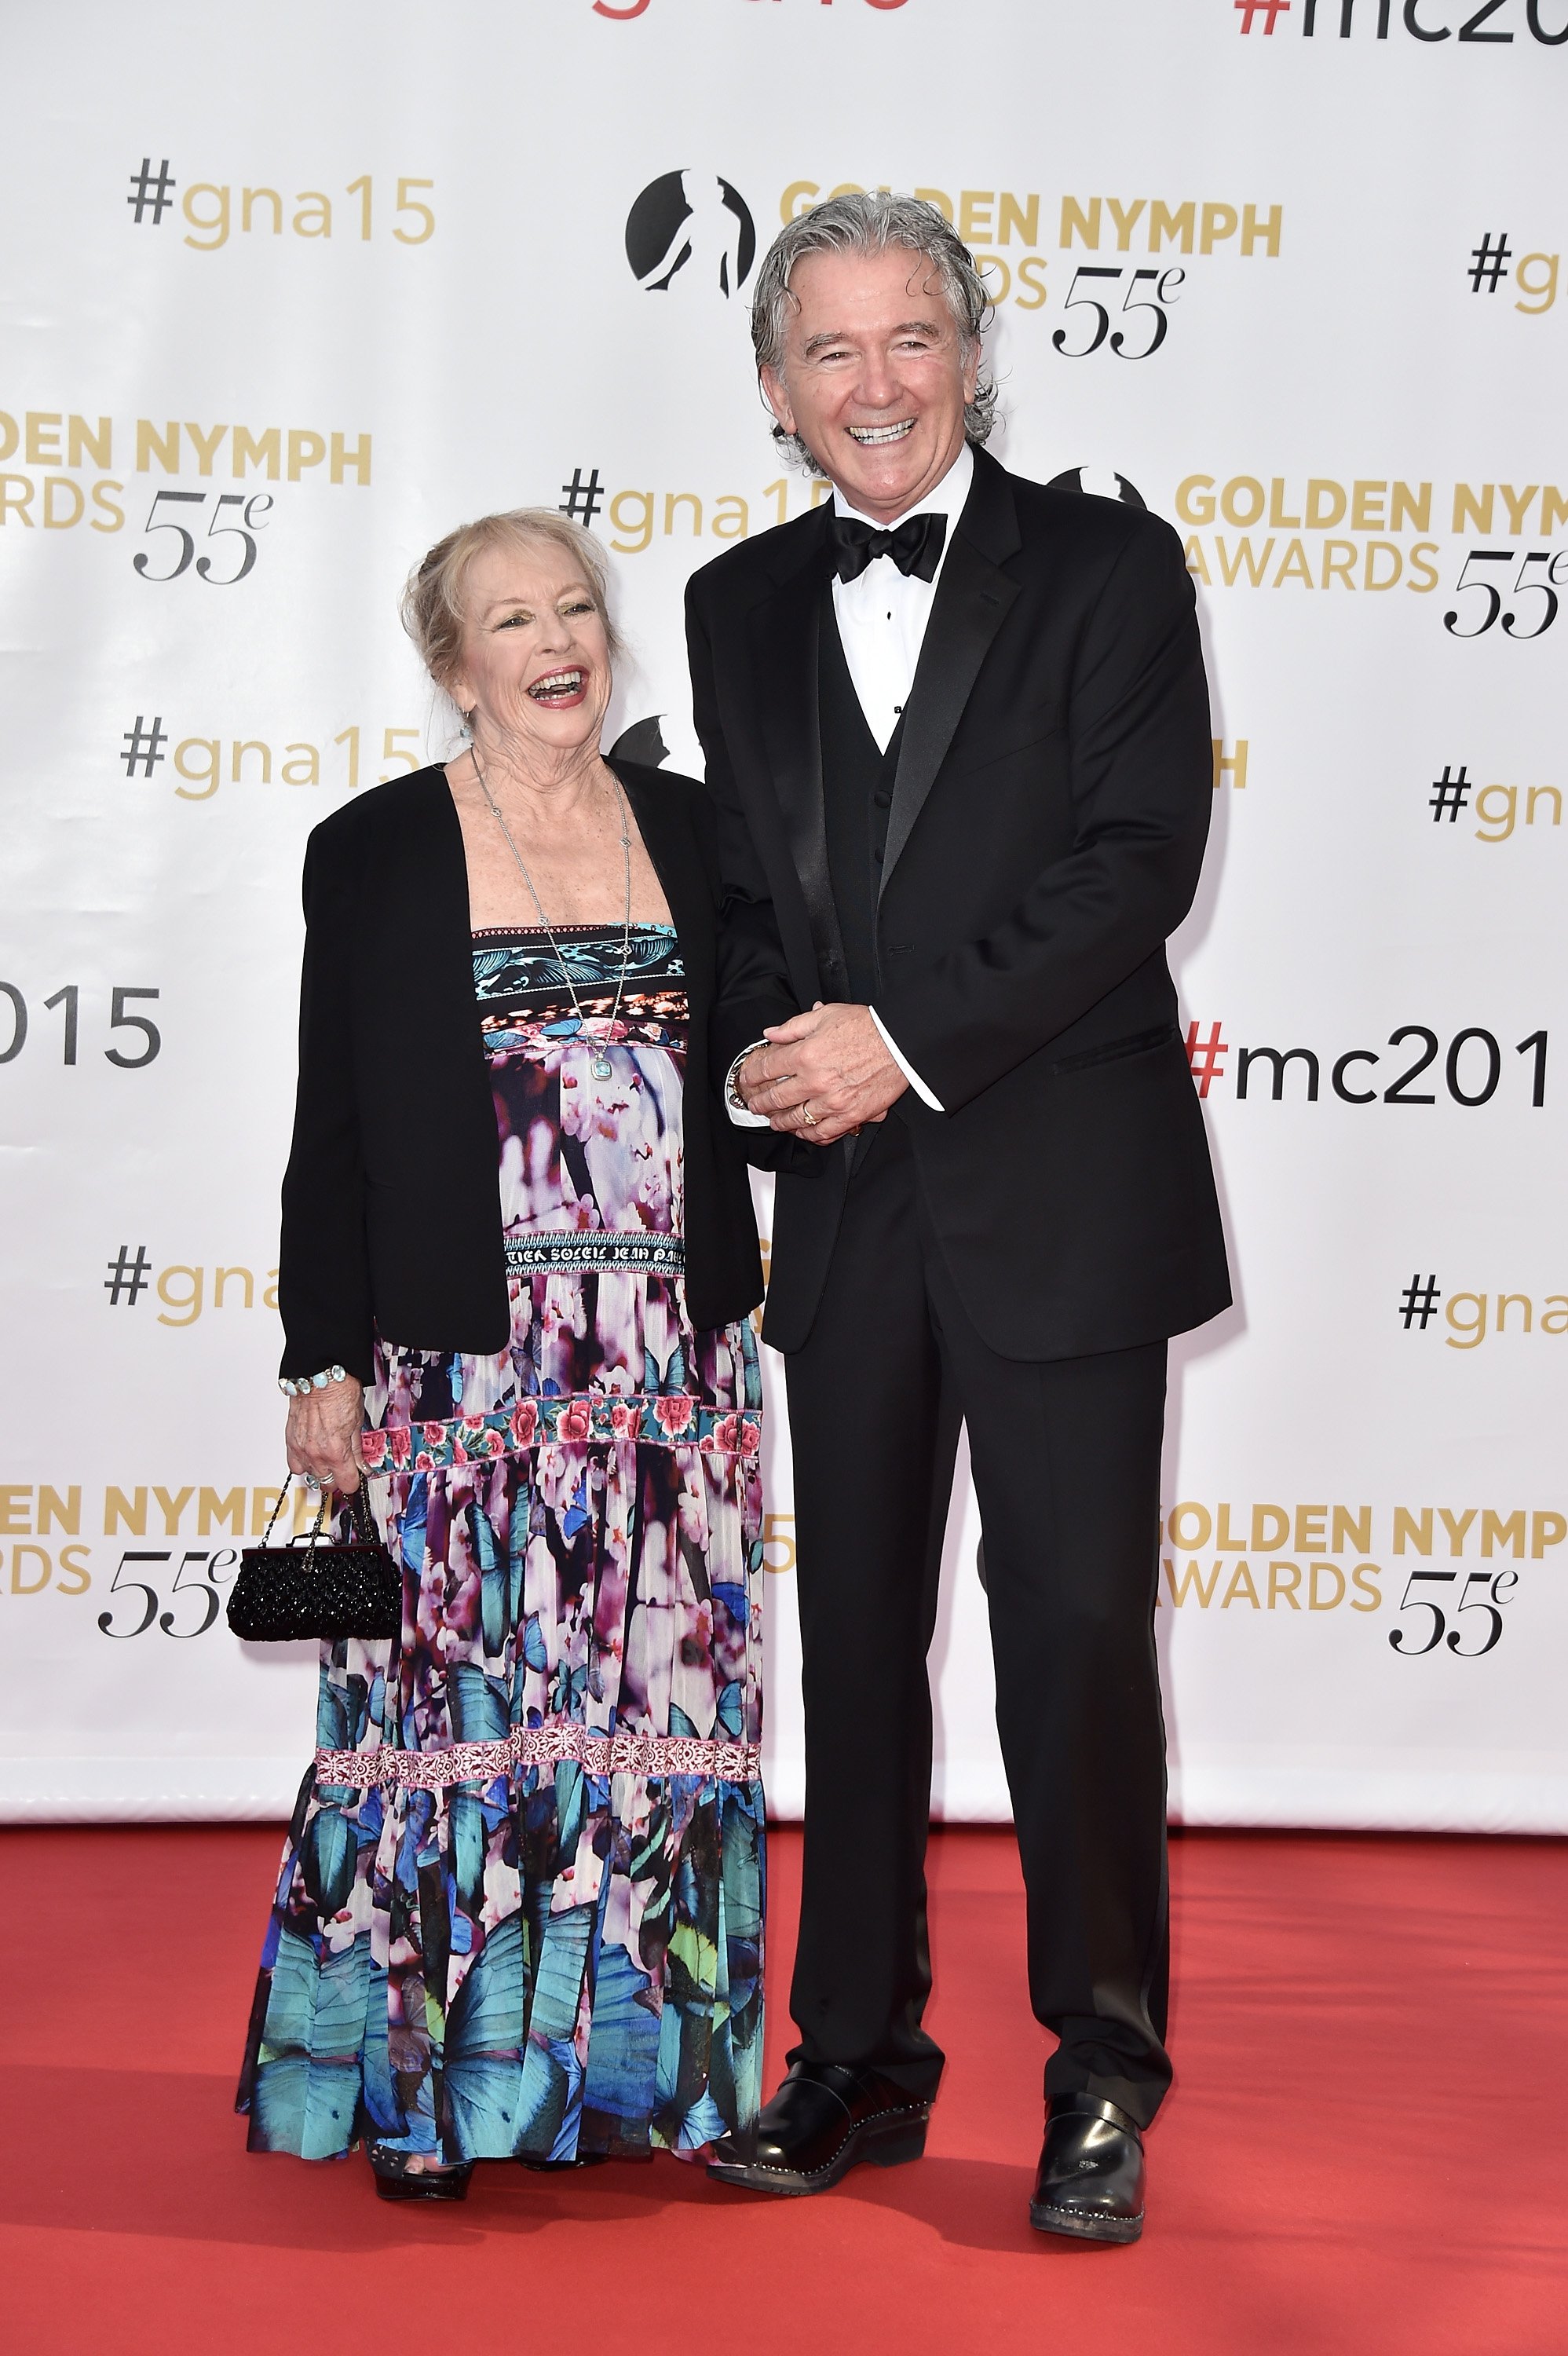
point(397, 2178)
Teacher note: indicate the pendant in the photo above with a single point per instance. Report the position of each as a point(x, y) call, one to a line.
point(602, 1067)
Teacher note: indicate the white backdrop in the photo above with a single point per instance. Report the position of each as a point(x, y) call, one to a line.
point(312, 297)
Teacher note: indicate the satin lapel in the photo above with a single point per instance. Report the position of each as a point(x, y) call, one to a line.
point(784, 648)
point(971, 603)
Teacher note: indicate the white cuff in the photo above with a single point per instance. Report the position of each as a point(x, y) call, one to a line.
point(911, 1075)
point(737, 1112)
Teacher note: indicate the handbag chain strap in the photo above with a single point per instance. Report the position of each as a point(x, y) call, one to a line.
point(360, 1512)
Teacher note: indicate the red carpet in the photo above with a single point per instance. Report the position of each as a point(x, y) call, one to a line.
point(1365, 2149)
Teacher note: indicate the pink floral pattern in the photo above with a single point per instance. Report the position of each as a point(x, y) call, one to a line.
point(656, 1421)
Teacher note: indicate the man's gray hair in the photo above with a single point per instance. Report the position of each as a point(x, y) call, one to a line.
point(870, 224)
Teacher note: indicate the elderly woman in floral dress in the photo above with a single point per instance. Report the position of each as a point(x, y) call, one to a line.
point(520, 1910)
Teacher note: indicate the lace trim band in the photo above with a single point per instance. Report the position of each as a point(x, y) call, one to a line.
point(542, 1746)
point(674, 1420)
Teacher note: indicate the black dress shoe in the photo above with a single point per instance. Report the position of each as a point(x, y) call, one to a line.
point(395, 2180)
point(822, 2122)
point(1091, 2178)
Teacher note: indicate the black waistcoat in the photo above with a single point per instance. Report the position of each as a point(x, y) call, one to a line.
point(857, 792)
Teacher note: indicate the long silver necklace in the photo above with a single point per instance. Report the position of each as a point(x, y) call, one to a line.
point(600, 1066)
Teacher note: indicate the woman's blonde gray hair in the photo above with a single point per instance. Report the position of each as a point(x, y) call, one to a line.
point(870, 223)
point(433, 605)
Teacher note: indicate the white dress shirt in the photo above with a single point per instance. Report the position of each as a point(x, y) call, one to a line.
point(882, 615)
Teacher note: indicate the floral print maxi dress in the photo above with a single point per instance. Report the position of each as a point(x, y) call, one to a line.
point(520, 1909)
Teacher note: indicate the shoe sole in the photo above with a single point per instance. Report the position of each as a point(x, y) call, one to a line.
point(875, 2144)
point(1083, 2226)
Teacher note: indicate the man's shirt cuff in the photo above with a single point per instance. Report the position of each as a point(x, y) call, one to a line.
point(911, 1075)
point(737, 1112)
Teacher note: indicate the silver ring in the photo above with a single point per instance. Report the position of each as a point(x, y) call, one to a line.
point(810, 1115)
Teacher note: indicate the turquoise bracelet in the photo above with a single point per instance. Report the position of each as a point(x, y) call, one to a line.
point(311, 1382)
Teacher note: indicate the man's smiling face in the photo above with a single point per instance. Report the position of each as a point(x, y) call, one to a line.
point(875, 377)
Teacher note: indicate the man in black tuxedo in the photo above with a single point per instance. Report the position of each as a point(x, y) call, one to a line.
point(957, 732)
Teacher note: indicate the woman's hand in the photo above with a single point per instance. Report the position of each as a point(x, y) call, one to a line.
point(323, 1434)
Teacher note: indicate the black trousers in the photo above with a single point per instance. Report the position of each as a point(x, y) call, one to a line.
point(1065, 1455)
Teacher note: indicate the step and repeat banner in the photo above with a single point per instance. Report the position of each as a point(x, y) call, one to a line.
point(281, 310)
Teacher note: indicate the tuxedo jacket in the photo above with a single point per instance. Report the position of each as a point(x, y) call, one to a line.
point(1050, 809)
point(392, 1211)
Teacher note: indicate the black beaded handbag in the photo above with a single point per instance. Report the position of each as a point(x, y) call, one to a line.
point(284, 1592)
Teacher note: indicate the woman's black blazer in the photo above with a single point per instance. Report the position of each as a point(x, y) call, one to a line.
point(392, 1212)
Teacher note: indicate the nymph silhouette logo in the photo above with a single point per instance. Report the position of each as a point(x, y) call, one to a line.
point(691, 229)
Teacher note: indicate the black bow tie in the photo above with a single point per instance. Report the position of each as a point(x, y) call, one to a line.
point(915, 545)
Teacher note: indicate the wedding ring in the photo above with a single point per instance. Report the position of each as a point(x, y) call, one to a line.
point(810, 1115)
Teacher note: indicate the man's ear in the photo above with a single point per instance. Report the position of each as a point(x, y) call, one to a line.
point(777, 399)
